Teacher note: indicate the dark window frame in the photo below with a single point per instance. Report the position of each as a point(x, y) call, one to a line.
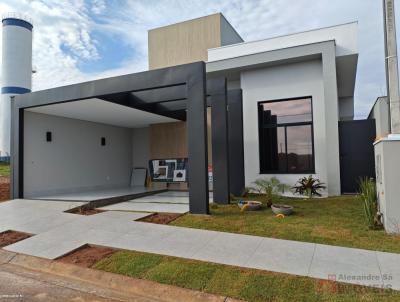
point(285, 126)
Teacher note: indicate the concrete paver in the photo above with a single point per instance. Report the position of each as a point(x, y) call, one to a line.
point(141, 206)
point(227, 248)
point(355, 265)
point(282, 255)
point(170, 201)
point(389, 265)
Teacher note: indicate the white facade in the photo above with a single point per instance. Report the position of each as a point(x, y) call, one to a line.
point(74, 160)
point(320, 64)
point(345, 37)
point(282, 82)
point(16, 74)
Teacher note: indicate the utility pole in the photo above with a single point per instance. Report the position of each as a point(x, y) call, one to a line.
point(392, 74)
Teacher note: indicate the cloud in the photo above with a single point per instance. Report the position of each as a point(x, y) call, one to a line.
point(70, 34)
point(98, 6)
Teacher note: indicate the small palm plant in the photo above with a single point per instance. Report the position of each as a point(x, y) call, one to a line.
point(269, 187)
point(309, 186)
point(369, 198)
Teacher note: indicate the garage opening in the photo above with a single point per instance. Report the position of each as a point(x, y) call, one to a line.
point(135, 134)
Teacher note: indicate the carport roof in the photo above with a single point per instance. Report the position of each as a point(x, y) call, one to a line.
point(100, 111)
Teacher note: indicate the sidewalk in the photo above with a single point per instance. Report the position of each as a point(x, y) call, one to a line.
point(118, 230)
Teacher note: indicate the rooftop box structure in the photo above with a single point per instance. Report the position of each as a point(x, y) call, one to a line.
point(189, 41)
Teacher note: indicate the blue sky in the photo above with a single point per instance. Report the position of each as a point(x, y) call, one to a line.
point(80, 40)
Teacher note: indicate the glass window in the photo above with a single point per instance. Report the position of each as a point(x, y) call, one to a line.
point(286, 136)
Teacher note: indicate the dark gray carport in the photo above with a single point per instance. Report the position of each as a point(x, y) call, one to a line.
point(191, 76)
point(180, 92)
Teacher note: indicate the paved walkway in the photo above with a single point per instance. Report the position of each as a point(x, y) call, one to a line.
point(170, 201)
point(58, 233)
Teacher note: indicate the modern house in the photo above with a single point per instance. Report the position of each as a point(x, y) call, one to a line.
point(213, 112)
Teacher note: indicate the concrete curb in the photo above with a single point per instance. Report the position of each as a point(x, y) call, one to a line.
point(128, 285)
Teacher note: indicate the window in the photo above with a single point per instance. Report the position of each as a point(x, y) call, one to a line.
point(286, 136)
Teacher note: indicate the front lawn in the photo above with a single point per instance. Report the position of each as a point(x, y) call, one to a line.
point(4, 169)
point(335, 221)
point(247, 284)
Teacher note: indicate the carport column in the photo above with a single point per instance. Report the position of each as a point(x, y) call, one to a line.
point(196, 118)
point(235, 139)
point(220, 144)
point(17, 148)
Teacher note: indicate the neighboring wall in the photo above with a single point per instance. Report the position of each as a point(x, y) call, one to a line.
point(380, 112)
point(281, 82)
point(74, 160)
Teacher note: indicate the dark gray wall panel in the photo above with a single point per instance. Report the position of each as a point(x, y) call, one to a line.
point(197, 141)
point(236, 152)
point(220, 145)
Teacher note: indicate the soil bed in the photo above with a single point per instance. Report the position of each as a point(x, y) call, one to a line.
point(85, 212)
point(160, 218)
point(10, 237)
point(87, 255)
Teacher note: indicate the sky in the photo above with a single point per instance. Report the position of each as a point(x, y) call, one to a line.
point(81, 40)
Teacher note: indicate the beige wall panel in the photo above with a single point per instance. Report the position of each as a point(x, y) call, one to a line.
point(168, 140)
point(194, 37)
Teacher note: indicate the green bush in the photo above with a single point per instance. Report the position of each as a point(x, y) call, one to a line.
point(368, 195)
point(269, 187)
point(308, 186)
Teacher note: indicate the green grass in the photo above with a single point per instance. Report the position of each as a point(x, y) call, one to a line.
point(4, 169)
point(247, 284)
point(335, 221)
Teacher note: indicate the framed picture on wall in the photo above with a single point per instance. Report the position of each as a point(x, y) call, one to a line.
point(161, 173)
point(179, 175)
point(168, 170)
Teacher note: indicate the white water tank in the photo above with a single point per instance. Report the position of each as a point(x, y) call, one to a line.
point(16, 70)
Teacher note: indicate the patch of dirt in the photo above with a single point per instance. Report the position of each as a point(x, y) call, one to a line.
point(10, 237)
point(85, 212)
point(87, 255)
point(4, 188)
point(160, 218)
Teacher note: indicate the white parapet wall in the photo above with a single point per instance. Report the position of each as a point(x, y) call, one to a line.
point(16, 73)
point(387, 166)
point(345, 37)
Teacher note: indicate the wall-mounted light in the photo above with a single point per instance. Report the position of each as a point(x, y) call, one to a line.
point(48, 136)
point(103, 141)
